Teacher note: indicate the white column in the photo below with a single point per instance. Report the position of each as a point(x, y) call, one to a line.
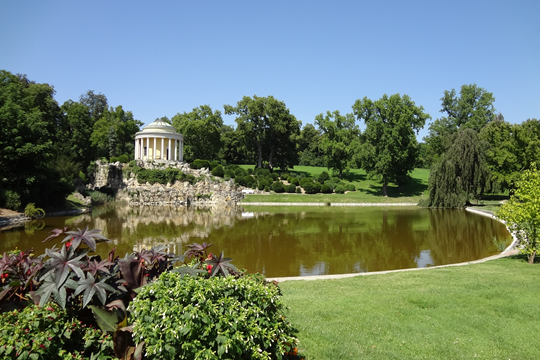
point(161, 154)
point(154, 150)
point(145, 156)
point(182, 150)
point(135, 152)
point(175, 150)
point(169, 152)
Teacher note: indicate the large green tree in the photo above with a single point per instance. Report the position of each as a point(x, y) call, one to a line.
point(202, 132)
point(522, 212)
point(269, 128)
point(389, 146)
point(114, 133)
point(309, 151)
point(473, 109)
point(340, 139)
point(461, 173)
point(29, 119)
point(74, 133)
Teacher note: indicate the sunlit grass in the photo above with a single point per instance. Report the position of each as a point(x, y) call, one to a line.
point(486, 311)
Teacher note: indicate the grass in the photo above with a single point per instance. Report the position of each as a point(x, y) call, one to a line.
point(368, 190)
point(486, 311)
point(73, 203)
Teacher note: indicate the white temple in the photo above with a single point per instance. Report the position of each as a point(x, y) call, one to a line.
point(159, 141)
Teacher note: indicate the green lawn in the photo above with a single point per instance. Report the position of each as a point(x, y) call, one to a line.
point(368, 190)
point(486, 311)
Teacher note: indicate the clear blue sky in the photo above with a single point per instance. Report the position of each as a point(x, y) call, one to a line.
point(158, 58)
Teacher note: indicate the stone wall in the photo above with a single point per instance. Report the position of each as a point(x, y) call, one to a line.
point(211, 190)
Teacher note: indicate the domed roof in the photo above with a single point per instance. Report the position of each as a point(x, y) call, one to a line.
point(159, 126)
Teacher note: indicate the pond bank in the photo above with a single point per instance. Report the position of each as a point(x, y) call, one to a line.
point(20, 218)
point(322, 204)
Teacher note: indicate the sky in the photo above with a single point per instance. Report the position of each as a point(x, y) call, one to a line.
point(160, 58)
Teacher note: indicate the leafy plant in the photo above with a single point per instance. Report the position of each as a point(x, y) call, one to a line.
point(499, 244)
point(49, 332)
point(19, 272)
point(211, 318)
point(32, 211)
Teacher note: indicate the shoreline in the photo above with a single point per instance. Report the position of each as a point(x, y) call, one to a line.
point(21, 219)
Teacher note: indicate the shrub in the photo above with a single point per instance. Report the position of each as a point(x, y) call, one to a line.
point(284, 176)
point(250, 181)
point(199, 164)
point(263, 172)
point(274, 176)
point(48, 332)
point(207, 318)
point(350, 187)
point(13, 200)
point(230, 173)
point(330, 184)
point(266, 188)
point(32, 211)
point(305, 181)
point(295, 181)
point(124, 159)
point(250, 171)
point(113, 159)
point(311, 187)
point(218, 171)
point(133, 163)
point(325, 189)
point(262, 183)
point(240, 172)
point(340, 189)
point(323, 177)
point(82, 176)
point(213, 164)
point(298, 190)
point(291, 188)
point(278, 187)
point(98, 197)
point(240, 180)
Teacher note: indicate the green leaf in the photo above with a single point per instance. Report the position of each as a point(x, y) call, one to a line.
point(106, 320)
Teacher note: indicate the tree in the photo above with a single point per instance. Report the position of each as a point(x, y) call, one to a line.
point(461, 173)
point(269, 128)
point(340, 139)
point(114, 132)
point(389, 146)
point(202, 132)
point(74, 133)
point(522, 212)
point(309, 151)
point(472, 109)
point(29, 118)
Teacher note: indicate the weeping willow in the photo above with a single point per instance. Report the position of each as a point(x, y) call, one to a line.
point(460, 175)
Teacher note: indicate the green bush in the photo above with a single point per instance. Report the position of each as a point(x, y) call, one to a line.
point(350, 187)
point(274, 176)
point(323, 177)
point(113, 159)
point(199, 164)
point(298, 190)
point(330, 184)
point(278, 187)
point(133, 163)
point(98, 197)
point(124, 159)
point(13, 200)
point(312, 187)
point(262, 184)
point(263, 172)
point(213, 164)
point(325, 189)
point(240, 180)
point(340, 189)
point(184, 317)
point(41, 333)
point(284, 176)
point(305, 181)
point(290, 188)
point(230, 173)
point(240, 172)
point(218, 171)
point(33, 212)
point(295, 181)
point(250, 171)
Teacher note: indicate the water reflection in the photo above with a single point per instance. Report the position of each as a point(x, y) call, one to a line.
point(291, 241)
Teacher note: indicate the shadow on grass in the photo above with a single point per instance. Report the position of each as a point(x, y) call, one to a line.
point(524, 258)
point(354, 177)
point(415, 187)
point(495, 197)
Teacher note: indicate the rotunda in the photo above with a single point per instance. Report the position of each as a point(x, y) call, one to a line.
point(159, 141)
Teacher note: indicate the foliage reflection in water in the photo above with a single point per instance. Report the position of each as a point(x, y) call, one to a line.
point(289, 241)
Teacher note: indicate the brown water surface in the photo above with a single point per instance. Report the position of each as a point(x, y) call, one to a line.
point(287, 241)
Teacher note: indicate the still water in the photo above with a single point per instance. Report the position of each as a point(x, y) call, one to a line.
point(287, 241)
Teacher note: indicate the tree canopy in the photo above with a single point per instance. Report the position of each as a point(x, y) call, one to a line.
point(389, 146)
point(268, 128)
point(202, 132)
point(460, 174)
point(522, 212)
point(340, 139)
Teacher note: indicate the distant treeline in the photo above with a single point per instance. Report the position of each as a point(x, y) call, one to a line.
point(45, 147)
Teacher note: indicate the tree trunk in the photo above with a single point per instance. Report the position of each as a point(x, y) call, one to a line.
point(384, 188)
point(340, 172)
point(270, 160)
point(531, 257)
point(259, 162)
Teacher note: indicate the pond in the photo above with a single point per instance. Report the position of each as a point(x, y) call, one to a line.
point(287, 241)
